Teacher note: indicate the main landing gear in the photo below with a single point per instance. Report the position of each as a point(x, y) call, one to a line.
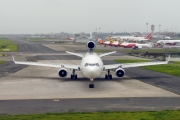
point(73, 75)
point(91, 85)
point(108, 76)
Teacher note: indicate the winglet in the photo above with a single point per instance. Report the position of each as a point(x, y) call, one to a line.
point(13, 58)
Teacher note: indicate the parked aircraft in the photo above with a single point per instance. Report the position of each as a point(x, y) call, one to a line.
point(69, 38)
point(119, 43)
point(91, 65)
point(168, 42)
point(109, 42)
point(148, 37)
point(146, 45)
point(100, 40)
point(167, 38)
point(122, 37)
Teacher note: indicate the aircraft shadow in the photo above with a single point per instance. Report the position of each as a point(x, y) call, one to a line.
point(86, 79)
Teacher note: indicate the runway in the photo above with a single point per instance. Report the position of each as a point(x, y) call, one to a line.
point(40, 90)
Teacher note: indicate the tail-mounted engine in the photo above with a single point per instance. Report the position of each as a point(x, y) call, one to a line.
point(91, 45)
point(120, 72)
point(62, 73)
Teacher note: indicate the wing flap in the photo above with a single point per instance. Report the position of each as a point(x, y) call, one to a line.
point(129, 65)
point(69, 66)
point(76, 54)
point(113, 66)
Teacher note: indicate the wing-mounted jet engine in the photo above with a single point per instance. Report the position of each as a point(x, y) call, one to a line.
point(120, 72)
point(63, 72)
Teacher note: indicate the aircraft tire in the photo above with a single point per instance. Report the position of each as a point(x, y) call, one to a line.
point(106, 76)
point(75, 76)
point(71, 77)
point(110, 76)
point(91, 85)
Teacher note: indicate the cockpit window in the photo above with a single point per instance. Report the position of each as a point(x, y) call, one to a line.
point(91, 64)
point(97, 64)
point(86, 64)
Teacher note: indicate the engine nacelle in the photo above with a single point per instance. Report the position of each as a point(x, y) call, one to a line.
point(63, 72)
point(135, 47)
point(120, 72)
point(91, 45)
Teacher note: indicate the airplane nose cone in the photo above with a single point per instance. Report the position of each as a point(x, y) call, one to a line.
point(93, 73)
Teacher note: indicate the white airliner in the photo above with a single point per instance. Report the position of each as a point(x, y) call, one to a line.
point(91, 65)
point(148, 37)
point(69, 38)
point(171, 42)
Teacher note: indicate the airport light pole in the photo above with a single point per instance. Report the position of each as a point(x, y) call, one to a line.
point(159, 30)
point(147, 27)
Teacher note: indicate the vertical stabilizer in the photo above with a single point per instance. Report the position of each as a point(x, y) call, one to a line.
point(91, 34)
point(149, 36)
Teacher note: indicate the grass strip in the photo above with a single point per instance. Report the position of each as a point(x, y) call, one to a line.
point(158, 115)
point(7, 45)
point(1, 61)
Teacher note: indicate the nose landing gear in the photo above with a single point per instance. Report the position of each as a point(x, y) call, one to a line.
point(73, 75)
point(91, 85)
point(108, 76)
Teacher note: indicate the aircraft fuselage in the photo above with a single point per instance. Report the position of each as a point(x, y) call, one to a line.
point(91, 65)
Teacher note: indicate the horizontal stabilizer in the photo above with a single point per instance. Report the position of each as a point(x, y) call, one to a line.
point(105, 54)
point(76, 54)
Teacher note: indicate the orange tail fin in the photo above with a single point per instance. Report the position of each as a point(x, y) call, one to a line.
point(149, 36)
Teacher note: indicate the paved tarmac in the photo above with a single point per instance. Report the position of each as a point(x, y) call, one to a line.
point(89, 105)
point(37, 48)
point(40, 90)
point(9, 68)
point(161, 80)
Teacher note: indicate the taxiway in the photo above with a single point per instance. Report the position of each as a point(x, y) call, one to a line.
point(30, 89)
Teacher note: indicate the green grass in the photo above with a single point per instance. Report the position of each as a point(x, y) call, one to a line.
point(1, 61)
point(130, 61)
point(159, 115)
point(173, 68)
point(7, 45)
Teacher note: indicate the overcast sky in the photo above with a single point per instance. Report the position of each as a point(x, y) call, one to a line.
point(46, 16)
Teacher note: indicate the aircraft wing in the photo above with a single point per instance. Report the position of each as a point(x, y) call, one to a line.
point(113, 66)
point(69, 66)
point(128, 65)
